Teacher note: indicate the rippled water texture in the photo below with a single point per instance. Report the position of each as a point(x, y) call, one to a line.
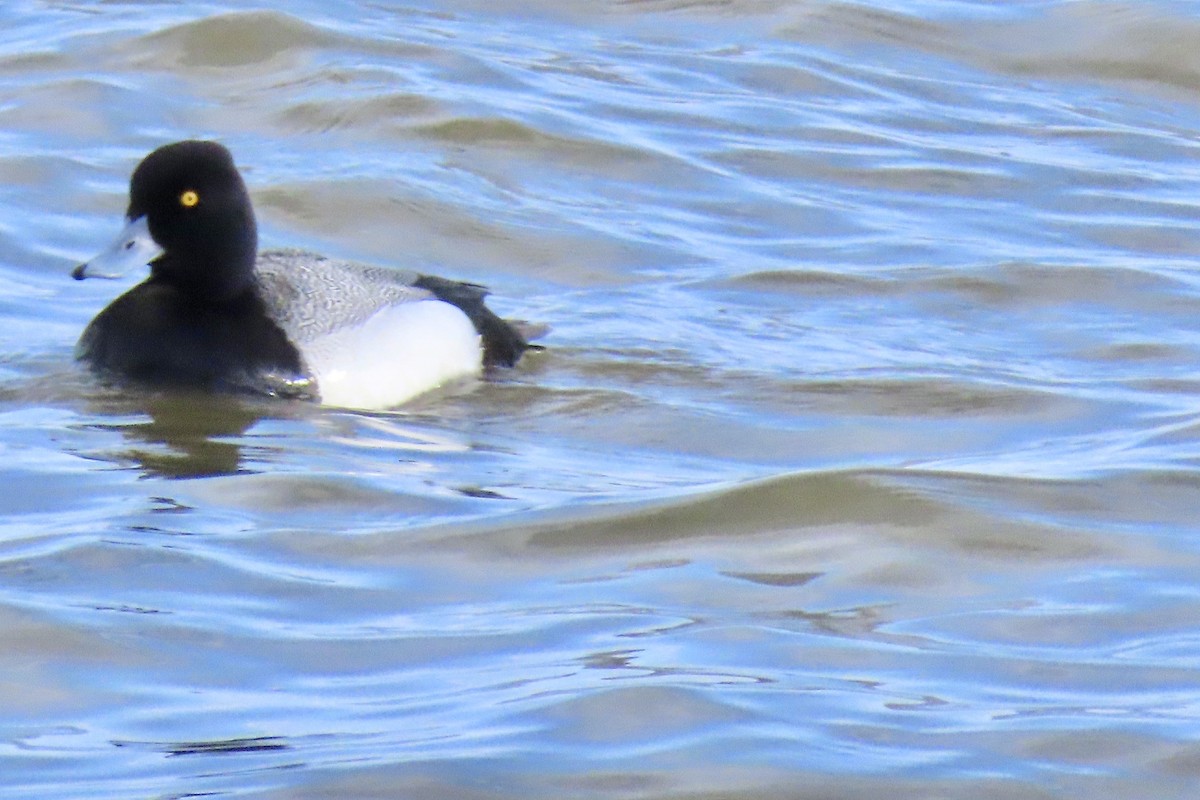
point(864, 459)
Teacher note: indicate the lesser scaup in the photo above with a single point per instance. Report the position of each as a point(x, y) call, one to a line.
point(215, 312)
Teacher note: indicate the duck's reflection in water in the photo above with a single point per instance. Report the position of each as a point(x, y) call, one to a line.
point(180, 434)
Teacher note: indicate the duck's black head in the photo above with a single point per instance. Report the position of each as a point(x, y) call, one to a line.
point(191, 219)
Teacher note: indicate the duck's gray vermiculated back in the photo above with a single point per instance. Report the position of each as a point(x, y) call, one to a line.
point(310, 296)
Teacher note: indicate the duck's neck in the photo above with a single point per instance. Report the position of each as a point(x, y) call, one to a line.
point(217, 270)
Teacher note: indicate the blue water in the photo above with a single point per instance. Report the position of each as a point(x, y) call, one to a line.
point(864, 457)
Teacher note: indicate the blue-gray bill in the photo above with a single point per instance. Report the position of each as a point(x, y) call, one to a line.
point(134, 247)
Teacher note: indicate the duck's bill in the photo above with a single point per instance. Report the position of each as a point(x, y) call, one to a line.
point(134, 248)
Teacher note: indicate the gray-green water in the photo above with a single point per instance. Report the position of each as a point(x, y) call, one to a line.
point(864, 458)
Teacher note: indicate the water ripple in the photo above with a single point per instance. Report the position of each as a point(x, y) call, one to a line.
point(862, 457)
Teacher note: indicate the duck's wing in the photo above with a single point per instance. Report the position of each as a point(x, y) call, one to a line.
point(310, 296)
point(503, 340)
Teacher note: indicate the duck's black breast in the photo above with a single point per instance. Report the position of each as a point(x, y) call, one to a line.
point(158, 334)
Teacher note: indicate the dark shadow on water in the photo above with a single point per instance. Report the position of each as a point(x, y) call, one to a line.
point(257, 744)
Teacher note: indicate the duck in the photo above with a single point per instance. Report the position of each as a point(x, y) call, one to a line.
point(217, 313)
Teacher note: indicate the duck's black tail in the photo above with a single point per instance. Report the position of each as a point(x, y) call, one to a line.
point(503, 341)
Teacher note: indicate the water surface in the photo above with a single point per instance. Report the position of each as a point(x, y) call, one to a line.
point(864, 456)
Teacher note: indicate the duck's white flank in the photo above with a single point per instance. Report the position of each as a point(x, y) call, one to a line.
point(396, 354)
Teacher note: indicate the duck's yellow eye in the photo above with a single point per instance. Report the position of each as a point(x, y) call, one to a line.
point(189, 199)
